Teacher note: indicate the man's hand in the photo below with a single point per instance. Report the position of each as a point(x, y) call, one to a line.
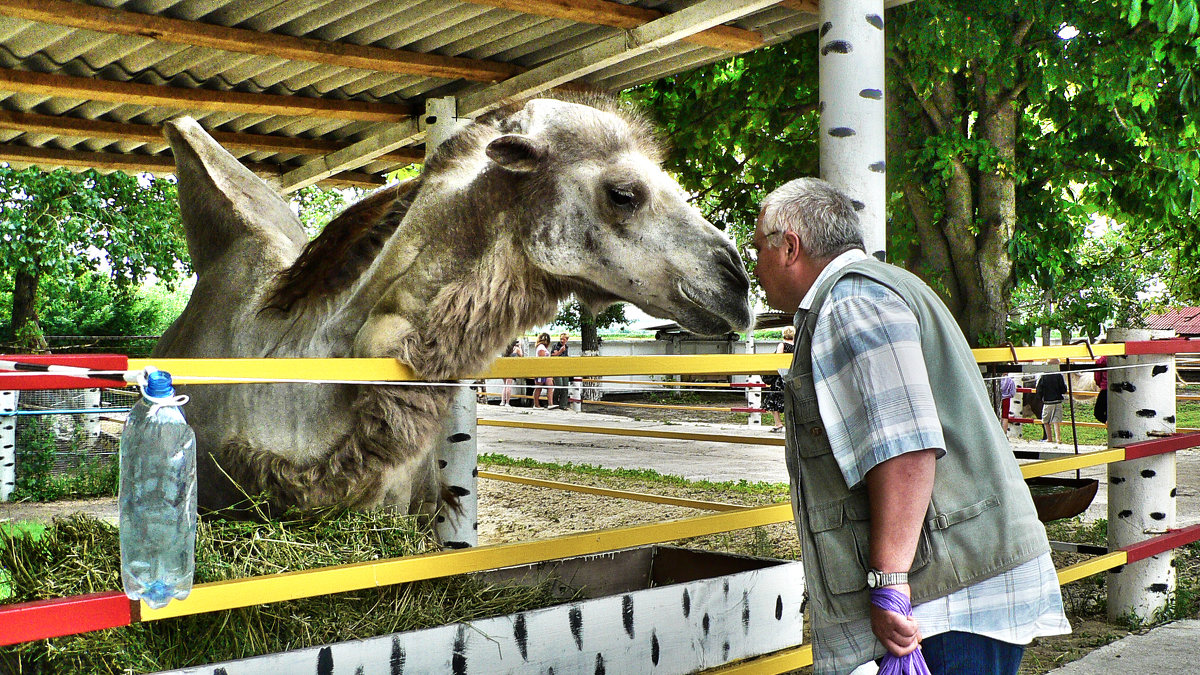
point(898, 633)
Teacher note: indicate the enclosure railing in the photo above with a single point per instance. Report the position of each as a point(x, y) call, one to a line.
point(64, 616)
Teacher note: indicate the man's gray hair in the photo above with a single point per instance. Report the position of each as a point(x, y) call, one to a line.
point(819, 213)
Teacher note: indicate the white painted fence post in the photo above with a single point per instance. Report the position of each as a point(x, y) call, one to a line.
point(851, 60)
point(457, 453)
point(1141, 492)
point(8, 443)
point(577, 394)
point(753, 394)
point(458, 458)
point(93, 400)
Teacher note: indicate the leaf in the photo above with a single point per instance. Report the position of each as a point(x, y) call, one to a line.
point(1173, 17)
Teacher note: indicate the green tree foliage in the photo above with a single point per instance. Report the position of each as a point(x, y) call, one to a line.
point(740, 128)
point(574, 316)
point(316, 206)
point(1167, 15)
point(60, 225)
point(1012, 125)
point(92, 304)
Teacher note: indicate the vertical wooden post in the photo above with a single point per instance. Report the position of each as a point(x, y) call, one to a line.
point(577, 394)
point(1141, 492)
point(8, 443)
point(457, 452)
point(853, 139)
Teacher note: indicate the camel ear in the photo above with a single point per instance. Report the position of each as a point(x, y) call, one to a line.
point(517, 153)
point(224, 205)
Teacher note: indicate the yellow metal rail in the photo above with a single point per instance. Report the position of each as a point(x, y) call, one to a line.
point(1092, 566)
point(783, 661)
point(226, 371)
point(1083, 460)
point(236, 593)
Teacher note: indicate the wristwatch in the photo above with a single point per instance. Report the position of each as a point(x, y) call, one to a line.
point(878, 579)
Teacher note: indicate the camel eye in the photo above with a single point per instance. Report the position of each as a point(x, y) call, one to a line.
point(623, 198)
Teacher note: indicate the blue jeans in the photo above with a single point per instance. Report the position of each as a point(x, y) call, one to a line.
point(956, 653)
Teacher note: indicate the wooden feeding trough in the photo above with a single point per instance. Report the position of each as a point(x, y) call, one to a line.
point(1057, 498)
point(666, 609)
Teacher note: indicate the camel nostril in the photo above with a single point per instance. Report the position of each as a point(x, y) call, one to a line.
point(731, 263)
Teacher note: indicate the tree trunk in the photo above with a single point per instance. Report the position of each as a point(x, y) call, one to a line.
point(988, 314)
point(24, 306)
point(1049, 309)
point(587, 330)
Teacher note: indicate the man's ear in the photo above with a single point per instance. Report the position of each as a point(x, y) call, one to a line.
point(792, 248)
point(517, 153)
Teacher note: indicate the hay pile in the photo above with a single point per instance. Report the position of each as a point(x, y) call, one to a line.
point(81, 555)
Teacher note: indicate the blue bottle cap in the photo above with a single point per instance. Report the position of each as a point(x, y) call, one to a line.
point(158, 384)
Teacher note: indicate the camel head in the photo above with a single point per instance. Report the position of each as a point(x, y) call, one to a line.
point(608, 221)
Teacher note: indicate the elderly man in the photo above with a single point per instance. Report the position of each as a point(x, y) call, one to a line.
point(901, 476)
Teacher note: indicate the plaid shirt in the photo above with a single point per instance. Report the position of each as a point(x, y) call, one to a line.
point(876, 403)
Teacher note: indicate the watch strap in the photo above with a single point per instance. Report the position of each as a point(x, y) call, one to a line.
point(882, 579)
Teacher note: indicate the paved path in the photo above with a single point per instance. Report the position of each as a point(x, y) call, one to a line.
point(1173, 648)
point(700, 460)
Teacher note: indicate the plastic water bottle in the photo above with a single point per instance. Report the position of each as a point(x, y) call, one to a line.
point(158, 496)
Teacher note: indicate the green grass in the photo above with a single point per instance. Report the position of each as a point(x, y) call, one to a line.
point(80, 554)
point(26, 530)
point(1187, 414)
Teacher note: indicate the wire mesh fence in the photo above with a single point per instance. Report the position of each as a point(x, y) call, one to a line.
point(59, 432)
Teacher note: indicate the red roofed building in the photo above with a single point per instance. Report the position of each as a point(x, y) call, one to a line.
point(1183, 320)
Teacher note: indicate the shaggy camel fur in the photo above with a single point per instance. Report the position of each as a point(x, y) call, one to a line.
point(512, 214)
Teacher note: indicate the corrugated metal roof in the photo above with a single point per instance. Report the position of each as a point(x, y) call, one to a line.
point(1183, 320)
point(69, 71)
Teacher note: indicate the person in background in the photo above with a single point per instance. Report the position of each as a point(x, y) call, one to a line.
point(773, 398)
point(1008, 389)
point(561, 395)
point(543, 349)
point(1052, 388)
point(514, 349)
point(882, 387)
point(1100, 377)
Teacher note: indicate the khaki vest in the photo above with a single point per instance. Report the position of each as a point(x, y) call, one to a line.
point(981, 520)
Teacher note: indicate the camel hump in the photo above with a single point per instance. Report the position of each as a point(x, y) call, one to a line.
point(345, 247)
point(225, 206)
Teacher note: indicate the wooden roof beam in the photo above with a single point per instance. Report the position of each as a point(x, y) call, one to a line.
point(178, 98)
point(617, 15)
point(148, 133)
point(155, 164)
point(806, 6)
point(194, 33)
point(611, 51)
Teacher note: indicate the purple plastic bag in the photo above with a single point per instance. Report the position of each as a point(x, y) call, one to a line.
point(912, 664)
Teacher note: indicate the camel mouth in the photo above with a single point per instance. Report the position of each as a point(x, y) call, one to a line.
point(713, 313)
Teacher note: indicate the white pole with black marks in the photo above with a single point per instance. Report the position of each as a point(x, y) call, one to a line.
point(457, 454)
point(753, 394)
point(1141, 492)
point(853, 139)
point(8, 443)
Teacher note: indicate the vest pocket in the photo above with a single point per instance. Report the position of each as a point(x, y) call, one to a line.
point(842, 534)
point(804, 417)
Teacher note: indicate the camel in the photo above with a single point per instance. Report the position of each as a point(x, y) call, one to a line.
point(514, 212)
